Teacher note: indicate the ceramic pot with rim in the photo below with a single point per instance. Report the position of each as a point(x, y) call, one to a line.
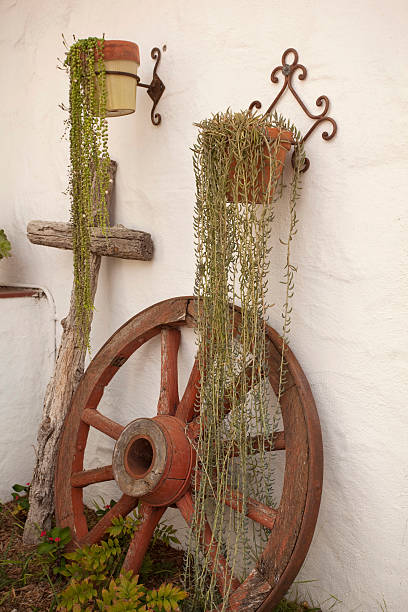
point(122, 61)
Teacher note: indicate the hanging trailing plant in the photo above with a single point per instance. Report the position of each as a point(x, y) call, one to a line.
point(238, 161)
point(89, 165)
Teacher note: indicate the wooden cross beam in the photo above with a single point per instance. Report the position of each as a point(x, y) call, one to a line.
point(118, 242)
point(69, 366)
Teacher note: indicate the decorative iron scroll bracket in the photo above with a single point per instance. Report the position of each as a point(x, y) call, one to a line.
point(156, 88)
point(288, 70)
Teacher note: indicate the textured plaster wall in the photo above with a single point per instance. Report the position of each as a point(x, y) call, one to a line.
point(349, 328)
point(27, 352)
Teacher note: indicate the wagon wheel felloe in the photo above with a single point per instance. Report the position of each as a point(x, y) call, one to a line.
point(153, 458)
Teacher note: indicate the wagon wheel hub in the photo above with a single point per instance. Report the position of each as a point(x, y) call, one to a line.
point(153, 460)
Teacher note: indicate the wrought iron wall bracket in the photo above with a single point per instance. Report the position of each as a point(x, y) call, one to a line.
point(156, 88)
point(288, 70)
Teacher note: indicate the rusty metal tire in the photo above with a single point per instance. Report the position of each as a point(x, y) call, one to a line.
point(162, 442)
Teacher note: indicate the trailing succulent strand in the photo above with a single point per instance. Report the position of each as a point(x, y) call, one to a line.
point(89, 165)
point(235, 201)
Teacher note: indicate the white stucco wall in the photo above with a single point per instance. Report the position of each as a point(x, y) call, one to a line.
point(349, 327)
point(27, 341)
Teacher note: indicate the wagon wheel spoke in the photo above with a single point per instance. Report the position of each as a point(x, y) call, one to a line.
point(102, 423)
point(122, 508)
point(87, 477)
point(168, 399)
point(186, 408)
point(141, 540)
point(218, 564)
point(256, 510)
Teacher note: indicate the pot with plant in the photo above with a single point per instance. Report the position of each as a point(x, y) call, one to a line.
point(277, 143)
point(103, 78)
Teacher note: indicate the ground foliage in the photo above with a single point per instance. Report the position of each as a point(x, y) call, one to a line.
point(47, 578)
point(40, 578)
point(235, 202)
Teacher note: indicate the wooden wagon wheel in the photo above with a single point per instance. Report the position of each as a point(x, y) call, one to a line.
point(153, 458)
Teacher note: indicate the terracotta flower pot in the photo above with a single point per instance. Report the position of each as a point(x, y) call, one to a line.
point(264, 175)
point(122, 60)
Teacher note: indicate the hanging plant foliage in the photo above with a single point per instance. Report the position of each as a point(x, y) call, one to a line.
point(89, 165)
point(238, 161)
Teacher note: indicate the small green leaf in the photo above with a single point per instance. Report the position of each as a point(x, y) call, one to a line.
point(45, 547)
point(18, 487)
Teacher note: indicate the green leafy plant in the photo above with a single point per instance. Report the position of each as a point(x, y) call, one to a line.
point(20, 494)
point(166, 597)
point(94, 571)
point(101, 510)
point(76, 595)
point(89, 164)
point(96, 562)
point(54, 541)
point(5, 246)
point(165, 534)
point(124, 594)
point(124, 527)
point(51, 548)
point(237, 165)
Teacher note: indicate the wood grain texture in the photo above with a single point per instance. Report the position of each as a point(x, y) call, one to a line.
point(68, 371)
point(102, 423)
point(169, 397)
point(119, 240)
point(186, 408)
point(87, 477)
point(251, 594)
point(141, 540)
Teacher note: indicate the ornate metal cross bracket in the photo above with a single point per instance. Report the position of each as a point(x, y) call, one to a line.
point(288, 70)
point(156, 87)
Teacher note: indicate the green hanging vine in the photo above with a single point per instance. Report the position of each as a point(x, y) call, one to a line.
point(234, 211)
point(89, 165)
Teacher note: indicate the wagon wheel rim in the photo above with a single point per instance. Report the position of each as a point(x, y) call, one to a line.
point(292, 522)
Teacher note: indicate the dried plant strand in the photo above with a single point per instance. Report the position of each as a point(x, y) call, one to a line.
point(232, 224)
